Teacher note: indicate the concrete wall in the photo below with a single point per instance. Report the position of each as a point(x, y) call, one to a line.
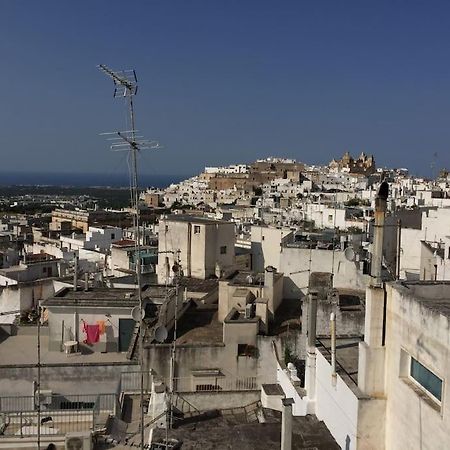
point(336, 405)
point(272, 290)
point(295, 264)
point(25, 296)
point(200, 251)
point(348, 323)
point(410, 249)
point(266, 246)
point(221, 400)
point(101, 238)
point(72, 318)
point(412, 420)
point(195, 357)
point(435, 226)
point(63, 378)
point(120, 259)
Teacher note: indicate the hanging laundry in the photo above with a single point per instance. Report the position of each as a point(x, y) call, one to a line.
point(92, 333)
point(101, 326)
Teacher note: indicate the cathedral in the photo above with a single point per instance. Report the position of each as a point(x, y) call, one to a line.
point(364, 164)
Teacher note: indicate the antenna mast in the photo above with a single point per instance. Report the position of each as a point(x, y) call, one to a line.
point(125, 85)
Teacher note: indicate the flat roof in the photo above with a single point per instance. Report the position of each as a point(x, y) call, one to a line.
point(199, 325)
point(197, 285)
point(347, 359)
point(434, 295)
point(231, 429)
point(194, 219)
point(108, 297)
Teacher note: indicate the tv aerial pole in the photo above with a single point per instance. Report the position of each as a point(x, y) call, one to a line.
point(125, 85)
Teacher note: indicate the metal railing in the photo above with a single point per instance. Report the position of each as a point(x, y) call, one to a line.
point(59, 414)
point(130, 383)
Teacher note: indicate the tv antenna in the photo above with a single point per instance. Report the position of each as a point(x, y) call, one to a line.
point(125, 85)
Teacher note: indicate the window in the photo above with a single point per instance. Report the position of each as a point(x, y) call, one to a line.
point(223, 250)
point(247, 350)
point(113, 236)
point(196, 229)
point(427, 379)
point(330, 217)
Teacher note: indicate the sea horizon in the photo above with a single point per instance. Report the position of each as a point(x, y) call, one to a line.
point(83, 179)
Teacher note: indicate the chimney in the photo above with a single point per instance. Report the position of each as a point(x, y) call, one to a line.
point(377, 251)
point(286, 424)
point(310, 373)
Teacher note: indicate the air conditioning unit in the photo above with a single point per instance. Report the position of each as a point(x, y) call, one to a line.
point(79, 440)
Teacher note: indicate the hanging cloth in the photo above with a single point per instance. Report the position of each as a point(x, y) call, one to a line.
point(92, 333)
point(101, 326)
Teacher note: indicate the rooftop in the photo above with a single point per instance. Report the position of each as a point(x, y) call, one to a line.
point(199, 325)
point(197, 285)
point(237, 429)
point(194, 219)
point(434, 295)
point(347, 357)
point(21, 350)
point(108, 297)
point(124, 243)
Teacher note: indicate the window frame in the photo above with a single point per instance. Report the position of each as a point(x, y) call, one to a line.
point(420, 385)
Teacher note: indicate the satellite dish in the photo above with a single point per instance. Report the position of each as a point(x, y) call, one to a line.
point(137, 314)
point(161, 334)
point(349, 254)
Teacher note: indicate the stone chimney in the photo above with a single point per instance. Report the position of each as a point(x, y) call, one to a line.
point(377, 249)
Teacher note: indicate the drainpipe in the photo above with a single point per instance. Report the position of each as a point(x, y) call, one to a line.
point(399, 248)
point(333, 347)
point(189, 249)
point(286, 424)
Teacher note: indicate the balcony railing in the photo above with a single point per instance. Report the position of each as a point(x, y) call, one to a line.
point(131, 383)
point(59, 414)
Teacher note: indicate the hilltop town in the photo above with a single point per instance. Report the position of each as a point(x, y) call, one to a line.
point(275, 293)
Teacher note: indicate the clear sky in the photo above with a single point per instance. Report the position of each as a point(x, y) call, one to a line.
point(225, 81)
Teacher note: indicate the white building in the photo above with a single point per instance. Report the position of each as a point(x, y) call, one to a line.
point(204, 247)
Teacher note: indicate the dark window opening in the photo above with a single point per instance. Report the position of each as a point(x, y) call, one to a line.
point(247, 350)
point(427, 379)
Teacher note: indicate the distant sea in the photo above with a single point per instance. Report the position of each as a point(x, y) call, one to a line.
point(85, 179)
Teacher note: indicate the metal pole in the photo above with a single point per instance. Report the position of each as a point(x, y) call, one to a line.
point(174, 343)
point(399, 246)
point(135, 200)
point(38, 377)
point(333, 347)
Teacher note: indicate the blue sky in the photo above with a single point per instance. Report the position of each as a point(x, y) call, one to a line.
point(225, 81)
